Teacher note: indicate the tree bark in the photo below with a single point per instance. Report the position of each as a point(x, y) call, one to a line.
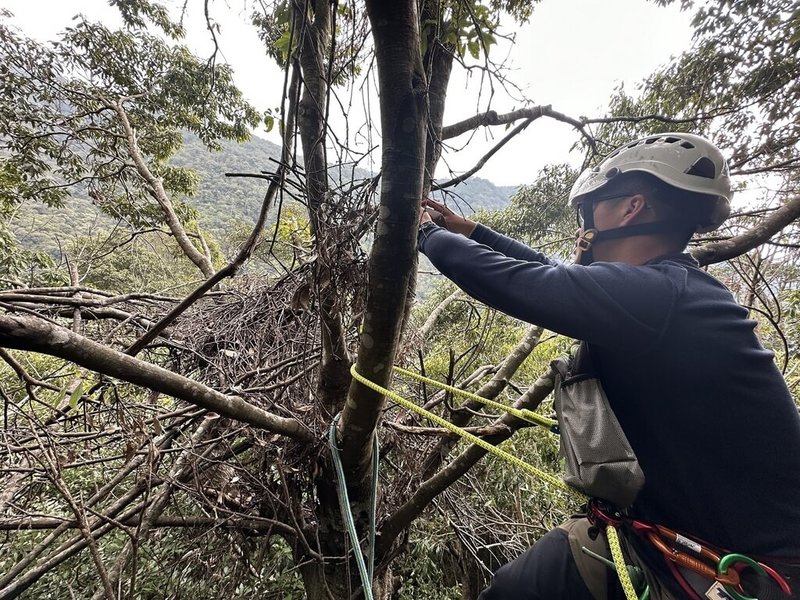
point(403, 118)
point(395, 27)
point(314, 37)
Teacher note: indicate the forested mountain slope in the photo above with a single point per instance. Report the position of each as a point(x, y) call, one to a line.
point(222, 202)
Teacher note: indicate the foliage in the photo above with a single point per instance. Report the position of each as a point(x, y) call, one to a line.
point(60, 115)
point(740, 82)
point(223, 205)
point(21, 265)
point(281, 37)
point(537, 214)
point(137, 14)
point(118, 262)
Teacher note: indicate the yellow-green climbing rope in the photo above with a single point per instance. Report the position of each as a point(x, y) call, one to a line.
point(520, 413)
point(619, 563)
point(530, 416)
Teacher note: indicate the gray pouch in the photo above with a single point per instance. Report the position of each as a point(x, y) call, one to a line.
point(599, 460)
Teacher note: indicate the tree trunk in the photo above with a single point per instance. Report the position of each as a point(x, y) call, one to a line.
point(314, 37)
point(395, 27)
point(403, 118)
point(438, 64)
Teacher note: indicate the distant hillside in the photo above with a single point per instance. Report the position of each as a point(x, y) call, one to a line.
point(222, 201)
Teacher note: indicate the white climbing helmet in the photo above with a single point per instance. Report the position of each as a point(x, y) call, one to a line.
point(682, 160)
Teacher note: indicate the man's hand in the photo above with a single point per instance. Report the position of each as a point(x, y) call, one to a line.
point(444, 217)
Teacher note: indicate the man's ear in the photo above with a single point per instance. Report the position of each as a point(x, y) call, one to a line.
point(634, 206)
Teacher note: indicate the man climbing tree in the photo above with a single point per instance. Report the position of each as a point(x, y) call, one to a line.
point(701, 403)
point(152, 419)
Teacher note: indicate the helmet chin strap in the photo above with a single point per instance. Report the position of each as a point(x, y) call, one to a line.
point(591, 235)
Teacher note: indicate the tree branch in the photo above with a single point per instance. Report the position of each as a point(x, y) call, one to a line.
point(430, 322)
point(479, 165)
point(492, 118)
point(160, 195)
point(716, 252)
point(491, 389)
point(156, 507)
point(228, 270)
point(36, 335)
point(250, 523)
point(403, 119)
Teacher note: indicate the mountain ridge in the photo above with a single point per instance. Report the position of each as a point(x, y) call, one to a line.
point(259, 154)
point(223, 203)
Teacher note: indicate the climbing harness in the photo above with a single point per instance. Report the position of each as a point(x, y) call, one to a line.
point(724, 569)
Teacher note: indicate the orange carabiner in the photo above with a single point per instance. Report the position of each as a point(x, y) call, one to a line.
point(727, 578)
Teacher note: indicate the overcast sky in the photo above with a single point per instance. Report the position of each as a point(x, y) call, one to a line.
point(571, 55)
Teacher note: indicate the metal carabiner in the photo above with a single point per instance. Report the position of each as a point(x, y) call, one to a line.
point(728, 567)
point(778, 579)
point(741, 562)
point(728, 561)
point(662, 537)
point(601, 513)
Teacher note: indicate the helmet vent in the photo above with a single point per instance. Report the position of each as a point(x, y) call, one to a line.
point(671, 140)
point(703, 167)
point(687, 145)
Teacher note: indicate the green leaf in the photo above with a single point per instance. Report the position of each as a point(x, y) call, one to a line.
point(62, 393)
point(76, 394)
point(282, 44)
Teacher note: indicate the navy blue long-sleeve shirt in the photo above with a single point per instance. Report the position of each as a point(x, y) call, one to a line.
point(701, 402)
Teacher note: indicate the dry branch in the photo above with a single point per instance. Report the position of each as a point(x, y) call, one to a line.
point(254, 524)
point(492, 118)
point(36, 335)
